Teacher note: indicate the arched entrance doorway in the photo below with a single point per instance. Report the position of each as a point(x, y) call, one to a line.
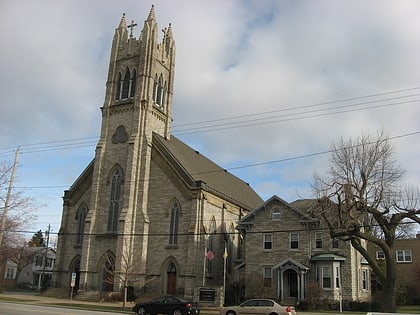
point(76, 270)
point(107, 274)
point(171, 279)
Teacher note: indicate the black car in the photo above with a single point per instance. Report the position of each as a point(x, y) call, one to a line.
point(167, 305)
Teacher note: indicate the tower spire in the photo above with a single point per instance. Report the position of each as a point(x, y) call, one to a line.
point(123, 22)
point(152, 14)
point(169, 31)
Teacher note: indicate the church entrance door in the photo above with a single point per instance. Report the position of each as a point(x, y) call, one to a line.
point(108, 276)
point(171, 278)
point(76, 270)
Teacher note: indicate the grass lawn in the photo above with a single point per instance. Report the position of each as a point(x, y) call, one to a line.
point(411, 309)
point(12, 299)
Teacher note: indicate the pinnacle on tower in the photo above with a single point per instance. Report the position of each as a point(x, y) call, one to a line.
point(169, 31)
point(152, 14)
point(123, 23)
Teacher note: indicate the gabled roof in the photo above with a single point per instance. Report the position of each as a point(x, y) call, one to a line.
point(250, 216)
point(288, 262)
point(197, 170)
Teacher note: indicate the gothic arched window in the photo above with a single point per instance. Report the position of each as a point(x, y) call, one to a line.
point(119, 87)
point(173, 228)
point(81, 218)
point(159, 96)
point(114, 200)
point(126, 85)
point(210, 245)
point(132, 84)
point(155, 88)
point(159, 90)
point(163, 99)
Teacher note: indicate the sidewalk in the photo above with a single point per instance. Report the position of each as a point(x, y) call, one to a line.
point(35, 298)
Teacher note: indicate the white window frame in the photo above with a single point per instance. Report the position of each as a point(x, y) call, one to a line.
point(267, 276)
point(293, 240)
point(380, 255)
point(406, 256)
point(337, 277)
point(318, 240)
point(365, 280)
point(276, 214)
point(10, 273)
point(269, 241)
point(327, 272)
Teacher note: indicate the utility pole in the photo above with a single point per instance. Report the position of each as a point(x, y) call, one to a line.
point(9, 192)
point(45, 255)
point(3, 260)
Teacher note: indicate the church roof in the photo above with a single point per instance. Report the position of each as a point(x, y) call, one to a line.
point(198, 169)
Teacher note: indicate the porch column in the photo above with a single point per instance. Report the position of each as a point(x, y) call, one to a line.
point(281, 285)
point(302, 285)
point(299, 283)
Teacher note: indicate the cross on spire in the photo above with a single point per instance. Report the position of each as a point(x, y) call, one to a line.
point(131, 27)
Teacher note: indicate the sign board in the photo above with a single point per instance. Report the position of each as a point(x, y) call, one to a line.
point(207, 294)
point(73, 279)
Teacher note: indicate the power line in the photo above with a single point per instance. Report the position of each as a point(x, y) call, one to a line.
point(218, 125)
point(300, 107)
point(219, 170)
point(166, 234)
point(290, 117)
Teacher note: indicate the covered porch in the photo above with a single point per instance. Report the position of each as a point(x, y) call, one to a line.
point(291, 280)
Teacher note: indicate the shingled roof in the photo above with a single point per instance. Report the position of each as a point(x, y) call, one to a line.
point(197, 168)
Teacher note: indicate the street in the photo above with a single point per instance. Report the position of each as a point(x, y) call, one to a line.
point(19, 309)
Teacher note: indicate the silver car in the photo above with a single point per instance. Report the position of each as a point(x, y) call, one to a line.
point(258, 306)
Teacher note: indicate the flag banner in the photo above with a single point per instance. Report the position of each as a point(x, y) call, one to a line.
point(210, 255)
point(225, 254)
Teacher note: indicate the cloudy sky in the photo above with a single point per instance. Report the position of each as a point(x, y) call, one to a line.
point(259, 85)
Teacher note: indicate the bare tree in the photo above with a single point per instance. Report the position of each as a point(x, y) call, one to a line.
point(16, 212)
point(128, 272)
point(361, 200)
point(22, 255)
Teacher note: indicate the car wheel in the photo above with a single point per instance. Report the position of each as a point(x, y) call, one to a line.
point(141, 310)
point(177, 312)
point(230, 313)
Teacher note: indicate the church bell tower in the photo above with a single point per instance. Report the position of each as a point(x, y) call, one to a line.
point(138, 103)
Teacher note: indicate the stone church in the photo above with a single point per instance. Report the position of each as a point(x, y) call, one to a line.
point(149, 211)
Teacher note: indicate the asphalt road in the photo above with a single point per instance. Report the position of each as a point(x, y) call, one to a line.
point(20, 309)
